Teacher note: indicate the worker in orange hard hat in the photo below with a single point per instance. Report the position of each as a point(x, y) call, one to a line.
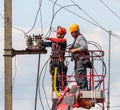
point(80, 55)
point(58, 45)
point(61, 30)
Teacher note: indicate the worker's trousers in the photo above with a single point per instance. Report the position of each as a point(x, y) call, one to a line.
point(81, 74)
point(61, 81)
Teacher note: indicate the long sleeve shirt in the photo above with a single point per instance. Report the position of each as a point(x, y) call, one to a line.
point(80, 43)
point(61, 42)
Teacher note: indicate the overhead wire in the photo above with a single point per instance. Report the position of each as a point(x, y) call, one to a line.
point(38, 71)
point(95, 44)
point(43, 84)
point(110, 9)
point(41, 20)
point(49, 30)
point(113, 34)
point(14, 27)
point(65, 7)
point(40, 79)
point(39, 11)
point(15, 73)
point(103, 73)
point(54, 17)
point(115, 106)
point(1, 16)
point(40, 4)
point(101, 59)
point(97, 24)
point(37, 84)
point(73, 13)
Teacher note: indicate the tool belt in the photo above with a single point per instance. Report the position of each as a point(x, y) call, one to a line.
point(83, 55)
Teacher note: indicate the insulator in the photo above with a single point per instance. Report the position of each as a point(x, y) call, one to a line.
point(29, 41)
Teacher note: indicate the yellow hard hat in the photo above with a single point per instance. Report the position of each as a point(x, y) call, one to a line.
point(74, 27)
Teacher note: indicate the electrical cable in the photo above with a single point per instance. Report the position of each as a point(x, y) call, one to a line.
point(74, 13)
point(103, 63)
point(110, 9)
point(113, 34)
point(16, 28)
point(95, 44)
point(15, 73)
point(103, 73)
point(115, 106)
point(49, 30)
point(37, 85)
point(53, 9)
point(39, 11)
point(40, 76)
point(98, 25)
point(35, 19)
point(1, 16)
point(43, 85)
point(19, 29)
point(41, 21)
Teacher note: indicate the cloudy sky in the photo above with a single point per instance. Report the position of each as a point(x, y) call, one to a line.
point(92, 16)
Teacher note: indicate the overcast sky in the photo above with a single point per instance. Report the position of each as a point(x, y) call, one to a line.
point(25, 67)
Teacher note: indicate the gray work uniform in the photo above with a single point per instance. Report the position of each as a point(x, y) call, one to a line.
point(80, 68)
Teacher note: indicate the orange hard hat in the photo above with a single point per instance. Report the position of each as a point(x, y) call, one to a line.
point(61, 30)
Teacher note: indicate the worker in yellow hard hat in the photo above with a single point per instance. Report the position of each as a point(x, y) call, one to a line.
point(74, 27)
point(79, 52)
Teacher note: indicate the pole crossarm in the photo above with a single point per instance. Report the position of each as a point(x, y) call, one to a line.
point(25, 52)
point(13, 52)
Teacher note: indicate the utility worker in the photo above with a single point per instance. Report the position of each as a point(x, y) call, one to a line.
point(58, 46)
point(80, 55)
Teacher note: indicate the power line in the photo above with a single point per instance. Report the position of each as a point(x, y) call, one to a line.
point(43, 85)
point(115, 106)
point(15, 73)
point(110, 9)
point(53, 15)
point(39, 11)
point(74, 13)
point(12, 25)
point(37, 85)
point(113, 34)
point(62, 7)
point(35, 18)
point(1, 16)
point(41, 21)
point(86, 14)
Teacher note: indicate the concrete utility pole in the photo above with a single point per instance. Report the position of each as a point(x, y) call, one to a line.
point(109, 58)
point(8, 53)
